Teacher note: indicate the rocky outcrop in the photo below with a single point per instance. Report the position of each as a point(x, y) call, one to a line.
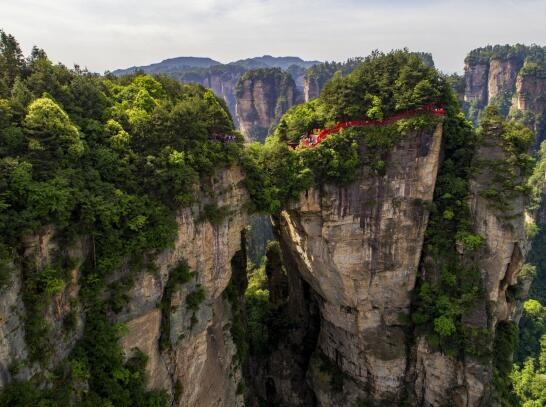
point(263, 96)
point(223, 78)
point(13, 349)
point(223, 81)
point(311, 88)
point(15, 360)
point(197, 364)
point(476, 84)
point(530, 98)
point(492, 82)
point(200, 351)
point(506, 82)
point(468, 382)
point(502, 77)
point(359, 249)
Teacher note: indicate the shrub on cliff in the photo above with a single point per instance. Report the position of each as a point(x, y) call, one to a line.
point(381, 86)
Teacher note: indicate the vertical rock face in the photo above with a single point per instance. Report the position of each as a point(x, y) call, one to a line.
point(476, 84)
point(509, 81)
point(530, 98)
point(359, 250)
point(15, 363)
point(223, 81)
point(13, 348)
point(440, 377)
point(263, 96)
point(199, 351)
point(531, 91)
point(311, 88)
point(502, 77)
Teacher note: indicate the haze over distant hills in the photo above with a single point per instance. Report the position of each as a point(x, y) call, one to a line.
point(181, 64)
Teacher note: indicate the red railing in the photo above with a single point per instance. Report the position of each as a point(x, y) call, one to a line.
point(312, 140)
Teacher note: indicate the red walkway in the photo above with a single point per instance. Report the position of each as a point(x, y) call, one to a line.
point(312, 140)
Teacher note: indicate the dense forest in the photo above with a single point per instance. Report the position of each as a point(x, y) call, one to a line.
point(111, 158)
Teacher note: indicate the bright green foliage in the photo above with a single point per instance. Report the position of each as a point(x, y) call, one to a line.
point(529, 381)
point(273, 174)
point(452, 285)
point(301, 119)
point(49, 130)
point(508, 176)
point(536, 180)
point(444, 325)
point(319, 74)
point(505, 343)
point(99, 359)
point(109, 159)
point(40, 285)
point(257, 305)
point(379, 87)
point(215, 214)
point(399, 79)
point(267, 322)
point(195, 298)
point(179, 275)
point(532, 328)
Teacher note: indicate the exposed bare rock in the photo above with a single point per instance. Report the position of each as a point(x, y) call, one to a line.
point(13, 349)
point(502, 77)
point(504, 81)
point(311, 88)
point(40, 250)
point(359, 248)
point(263, 96)
point(200, 355)
point(223, 81)
point(440, 377)
point(200, 351)
point(143, 333)
point(476, 79)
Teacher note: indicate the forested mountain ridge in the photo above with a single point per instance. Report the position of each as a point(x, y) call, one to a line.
point(171, 65)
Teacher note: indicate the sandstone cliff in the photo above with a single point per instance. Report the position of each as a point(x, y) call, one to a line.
point(510, 78)
point(223, 81)
point(195, 364)
point(358, 250)
point(263, 96)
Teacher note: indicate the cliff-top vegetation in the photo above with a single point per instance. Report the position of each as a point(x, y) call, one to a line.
point(381, 86)
point(110, 159)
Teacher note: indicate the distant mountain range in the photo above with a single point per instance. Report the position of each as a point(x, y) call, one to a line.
point(267, 61)
point(180, 65)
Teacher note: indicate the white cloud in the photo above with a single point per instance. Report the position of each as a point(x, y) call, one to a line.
point(106, 34)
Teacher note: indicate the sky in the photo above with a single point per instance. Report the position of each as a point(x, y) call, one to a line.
point(109, 34)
